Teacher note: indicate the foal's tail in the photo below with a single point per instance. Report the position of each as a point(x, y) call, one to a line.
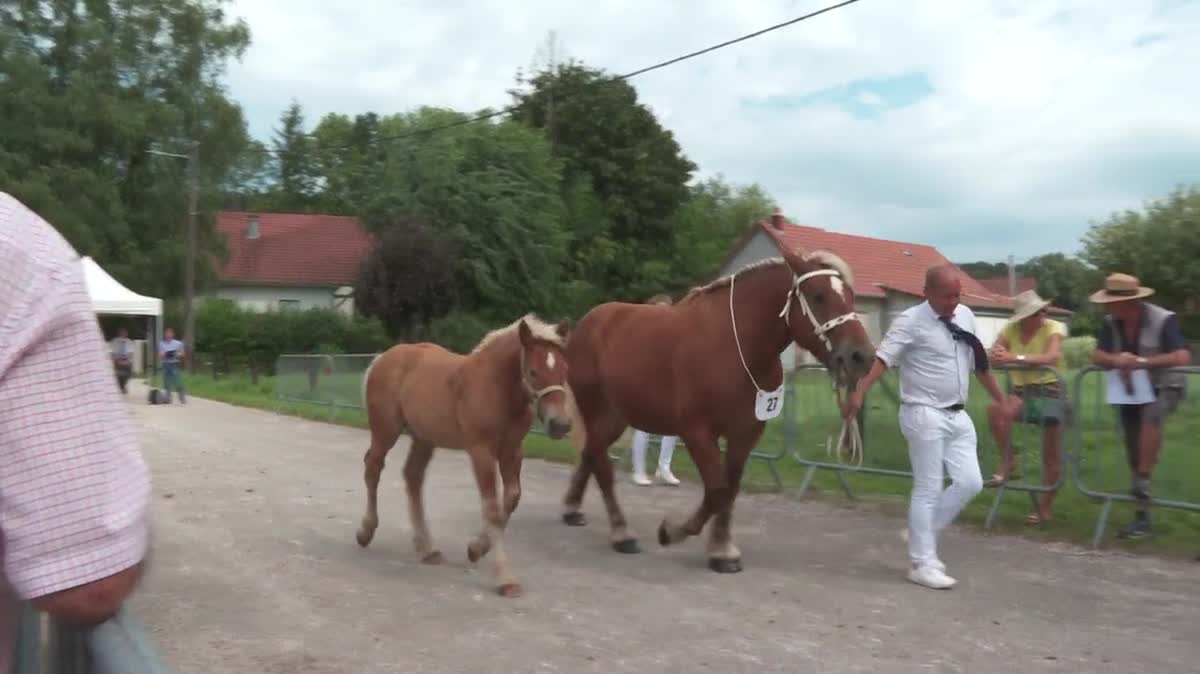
point(366, 377)
point(578, 429)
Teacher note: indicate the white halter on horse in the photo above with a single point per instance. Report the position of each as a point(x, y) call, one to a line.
point(848, 431)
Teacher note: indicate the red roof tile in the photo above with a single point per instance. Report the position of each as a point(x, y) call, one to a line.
point(879, 264)
point(293, 249)
point(999, 284)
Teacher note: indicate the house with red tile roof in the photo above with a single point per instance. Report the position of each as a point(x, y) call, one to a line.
point(889, 276)
point(290, 260)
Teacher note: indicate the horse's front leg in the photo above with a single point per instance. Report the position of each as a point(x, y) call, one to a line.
point(494, 518)
point(723, 555)
point(707, 456)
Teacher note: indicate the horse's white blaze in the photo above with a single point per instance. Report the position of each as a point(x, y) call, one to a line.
point(550, 361)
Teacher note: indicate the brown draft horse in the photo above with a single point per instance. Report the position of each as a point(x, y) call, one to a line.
point(483, 402)
point(703, 369)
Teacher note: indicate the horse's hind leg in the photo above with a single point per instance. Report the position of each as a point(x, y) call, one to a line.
point(419, 454)
point(573, 501)
point(384, 434)
point(600, 438)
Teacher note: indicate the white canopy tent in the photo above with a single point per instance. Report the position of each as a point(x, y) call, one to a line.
point(112, 298)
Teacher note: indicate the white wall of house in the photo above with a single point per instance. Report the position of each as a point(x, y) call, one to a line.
point(268, 298)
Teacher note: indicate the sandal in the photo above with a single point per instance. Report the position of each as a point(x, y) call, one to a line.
point(1035, 518)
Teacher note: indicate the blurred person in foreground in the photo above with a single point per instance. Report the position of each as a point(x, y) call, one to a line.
point(74, 490)
point(1031, 338)
point(1138, 335)
point(935, 347)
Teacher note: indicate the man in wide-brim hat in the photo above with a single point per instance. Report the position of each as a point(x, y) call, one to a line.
point(1031, 339)
point(1138, 334)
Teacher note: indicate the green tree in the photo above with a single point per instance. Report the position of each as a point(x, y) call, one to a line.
point(86, 90)
point(296, 165)
point(622, 170)
point(1159, 245)
point(706, 226)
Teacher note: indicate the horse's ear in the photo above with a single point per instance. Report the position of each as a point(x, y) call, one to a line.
point(795, 258)
point(525, 333)
point(563, 328)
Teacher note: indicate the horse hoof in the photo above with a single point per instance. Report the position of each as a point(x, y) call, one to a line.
point(574, 519)
point(663, 539)
point(629, 546)
point(510, 590)
point(364, 538)
point(725, 565)
point(473, 553)
point(434, 557)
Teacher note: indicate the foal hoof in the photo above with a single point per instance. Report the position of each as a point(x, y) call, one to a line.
point(574, 519)
point(434, 557)
point(364, 537)
point(510, 590)
point(725, 565)
point(629, 546)
point(663, 539)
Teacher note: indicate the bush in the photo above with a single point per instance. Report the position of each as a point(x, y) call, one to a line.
point(231, 333)
point(1077, 351)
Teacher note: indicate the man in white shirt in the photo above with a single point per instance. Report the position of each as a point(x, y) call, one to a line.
point(935, 347)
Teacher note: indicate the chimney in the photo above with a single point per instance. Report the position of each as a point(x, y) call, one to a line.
point(777, 219)
point(252, 228)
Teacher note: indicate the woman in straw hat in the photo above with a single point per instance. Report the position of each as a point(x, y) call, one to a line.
point(1139, 335)
point(666, 446)
point(1031, 339)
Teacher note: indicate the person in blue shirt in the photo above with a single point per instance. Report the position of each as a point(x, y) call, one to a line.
point(172, 353)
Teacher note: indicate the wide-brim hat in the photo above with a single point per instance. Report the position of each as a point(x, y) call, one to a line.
point(1120, 288)
point(1027, 304)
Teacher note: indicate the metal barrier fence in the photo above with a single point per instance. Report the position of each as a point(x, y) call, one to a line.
point(328, 380)
point(117, 646)
point(811, 413)
point(1091, 452)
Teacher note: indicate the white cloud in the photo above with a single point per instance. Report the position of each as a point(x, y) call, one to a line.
point(1042, 115)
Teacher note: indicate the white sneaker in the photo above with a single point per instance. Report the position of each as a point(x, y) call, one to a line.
point(666, 476)
point(930, 576)
point(641, 480)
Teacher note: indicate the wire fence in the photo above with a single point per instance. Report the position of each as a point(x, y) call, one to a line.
point(1063, 431)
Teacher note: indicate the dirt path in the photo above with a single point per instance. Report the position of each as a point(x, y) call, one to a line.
point(256, 570)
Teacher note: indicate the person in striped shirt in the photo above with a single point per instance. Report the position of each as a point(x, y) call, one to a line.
point(74, 489)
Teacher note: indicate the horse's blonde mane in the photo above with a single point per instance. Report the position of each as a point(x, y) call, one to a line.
point(822, 257)
point(540, 329)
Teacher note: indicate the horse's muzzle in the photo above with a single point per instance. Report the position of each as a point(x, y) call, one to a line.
point(557, 427)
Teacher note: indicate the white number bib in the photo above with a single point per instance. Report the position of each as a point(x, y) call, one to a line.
point(768, 404)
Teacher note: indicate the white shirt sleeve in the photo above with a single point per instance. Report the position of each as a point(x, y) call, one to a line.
point(897, 340)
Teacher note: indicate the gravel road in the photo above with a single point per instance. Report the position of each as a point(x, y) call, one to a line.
point(255, 569)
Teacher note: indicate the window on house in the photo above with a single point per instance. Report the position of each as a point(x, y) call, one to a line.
point(285, 305)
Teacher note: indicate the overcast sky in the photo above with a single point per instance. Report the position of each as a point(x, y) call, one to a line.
point(983, 127)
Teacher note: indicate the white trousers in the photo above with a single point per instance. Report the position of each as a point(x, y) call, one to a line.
point(640, 440)
point(936, 437)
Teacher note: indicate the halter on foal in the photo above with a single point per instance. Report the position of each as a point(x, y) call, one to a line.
point(483, 402)
point(705, 368)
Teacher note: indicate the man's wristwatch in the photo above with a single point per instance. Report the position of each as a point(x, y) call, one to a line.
point(1142, 360)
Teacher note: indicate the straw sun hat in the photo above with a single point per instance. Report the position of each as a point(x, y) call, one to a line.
point(1027, 304)
point(1121, 288)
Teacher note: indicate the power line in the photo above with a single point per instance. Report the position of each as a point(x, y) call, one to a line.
point(618, 78)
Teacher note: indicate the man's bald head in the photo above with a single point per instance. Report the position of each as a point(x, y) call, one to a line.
point(938, 275)
point(943, 288)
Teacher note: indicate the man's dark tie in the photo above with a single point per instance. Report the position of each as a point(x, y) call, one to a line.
point(981, 358)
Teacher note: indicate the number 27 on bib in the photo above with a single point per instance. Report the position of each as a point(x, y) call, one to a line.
point(768, 404)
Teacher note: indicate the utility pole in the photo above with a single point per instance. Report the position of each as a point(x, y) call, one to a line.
point(189, 272)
